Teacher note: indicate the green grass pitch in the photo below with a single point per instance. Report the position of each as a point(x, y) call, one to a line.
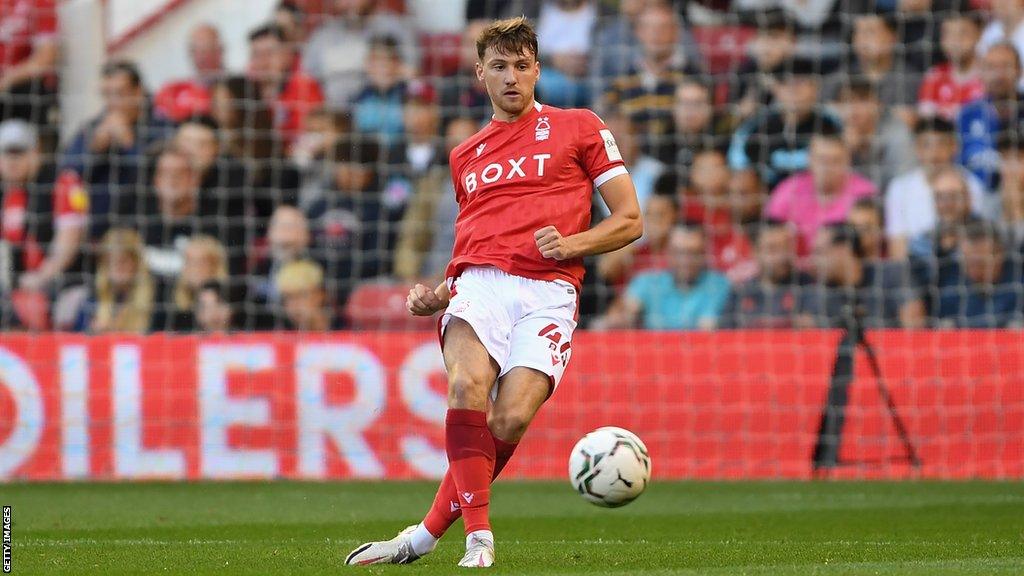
point(542, 528)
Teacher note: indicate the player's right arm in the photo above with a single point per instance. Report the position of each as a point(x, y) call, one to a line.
point(423, 301)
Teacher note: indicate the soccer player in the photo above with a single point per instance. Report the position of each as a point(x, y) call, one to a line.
point(523, 184)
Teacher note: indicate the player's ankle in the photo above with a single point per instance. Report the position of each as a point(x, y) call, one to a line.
point(423, 542)
point(485, 535)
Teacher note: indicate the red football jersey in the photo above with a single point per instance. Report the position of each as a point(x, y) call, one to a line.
point(514, 178)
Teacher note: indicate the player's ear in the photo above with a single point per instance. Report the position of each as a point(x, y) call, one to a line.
point(479, 71)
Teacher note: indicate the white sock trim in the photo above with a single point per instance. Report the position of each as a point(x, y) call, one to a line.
point(423, 542)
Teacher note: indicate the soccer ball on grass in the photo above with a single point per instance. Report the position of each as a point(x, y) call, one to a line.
point(610, 467)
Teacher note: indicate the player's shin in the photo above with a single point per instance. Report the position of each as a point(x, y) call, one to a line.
point(446, 509)
point(471, 459)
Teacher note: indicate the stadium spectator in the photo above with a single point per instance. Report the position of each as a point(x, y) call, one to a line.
point(248, 136)
point(779, 292)
point(245, 122)
point(564, 29)
point(752, 86)
point(420, 148)
point(124, 292)
point(881, 146)
point(852, 290)
point(324, 127)
point(336, 53)
point(1001, 110)
point(292, 20)
point(983, 288)
point(291, 92)
point(1011, 170)
point(695, 124)
point(747, 196)
point(420, 165)
point(661, 213)
point(1007, 26)
point(645, 93)
point(203, 260)
point(462, 94)
point(109, 152)
point(288, 239)
point(952, 204)
point(775, 141)
point(377, 108)
point(212, 309)
point(181, 99)
point(866, 217)
point(824, 194)
point(706, 202)
point(949, 85)
point(179, 209)
point(223, 177)
point(812, 16)
point(43, 216)
point(617, 45)
point(305, 302)
point(643, 169)
point(354, 225)
point(909, 199)
point(436, 208)
point(875, 60)
point(29, 58)
point(491, 10)
point(687, 296)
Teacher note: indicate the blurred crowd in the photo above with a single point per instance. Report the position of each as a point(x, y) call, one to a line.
point(810, 163)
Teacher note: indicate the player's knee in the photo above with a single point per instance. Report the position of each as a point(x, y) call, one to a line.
point(509, 425)
point(466, 390)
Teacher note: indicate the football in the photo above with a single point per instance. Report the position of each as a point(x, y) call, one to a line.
point(610, 467)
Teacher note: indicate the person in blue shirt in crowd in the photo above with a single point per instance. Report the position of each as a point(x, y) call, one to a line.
point(776, 140)
point(687, 296)
point(983, 288)
point(981, 122)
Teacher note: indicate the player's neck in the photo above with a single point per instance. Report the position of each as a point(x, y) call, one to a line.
point(503, 116)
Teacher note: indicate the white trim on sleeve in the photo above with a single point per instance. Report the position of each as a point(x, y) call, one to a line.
point(609, 174)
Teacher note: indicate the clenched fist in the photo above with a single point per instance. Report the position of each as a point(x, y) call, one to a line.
point(423, 301)
point(552, 244)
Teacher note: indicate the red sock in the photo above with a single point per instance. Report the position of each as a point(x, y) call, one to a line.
point(445, 509)
point(471, 462)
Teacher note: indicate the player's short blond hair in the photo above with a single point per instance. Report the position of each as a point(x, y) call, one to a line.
point(299, 276)
point(511, 36)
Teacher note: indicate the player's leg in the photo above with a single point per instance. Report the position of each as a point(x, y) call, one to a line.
point(521, 392)
point(471, 373)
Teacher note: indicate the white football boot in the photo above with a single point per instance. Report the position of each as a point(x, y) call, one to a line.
point(398, 550)
point(479, 552)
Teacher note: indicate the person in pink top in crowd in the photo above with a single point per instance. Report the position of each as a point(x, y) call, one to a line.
point(824, 194)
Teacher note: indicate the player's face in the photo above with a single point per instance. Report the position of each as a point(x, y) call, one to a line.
point(510, 80)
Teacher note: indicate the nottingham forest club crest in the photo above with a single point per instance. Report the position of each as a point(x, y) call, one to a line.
point(543, 129)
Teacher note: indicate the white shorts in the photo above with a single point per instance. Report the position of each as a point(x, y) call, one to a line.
point(520, 321)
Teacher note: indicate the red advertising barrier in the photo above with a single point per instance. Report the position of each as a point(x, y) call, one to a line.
point(371, 405)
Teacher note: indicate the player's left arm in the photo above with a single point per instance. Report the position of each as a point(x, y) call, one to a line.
point(623, 226)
